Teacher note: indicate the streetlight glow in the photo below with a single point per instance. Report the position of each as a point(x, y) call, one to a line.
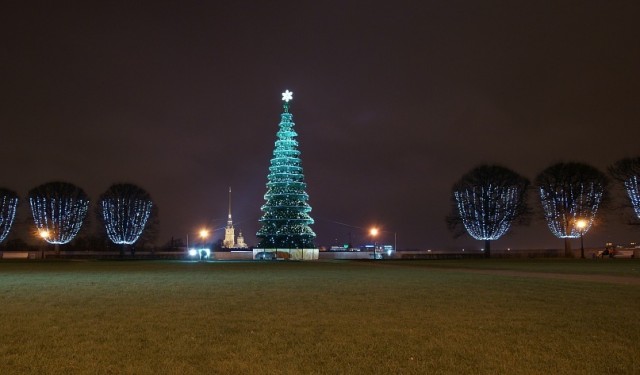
point(374, 231)
point(581, 224)
point(44, 233)
point(204, 233)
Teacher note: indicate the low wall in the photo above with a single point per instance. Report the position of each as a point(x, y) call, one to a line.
point(18, 255)
point(311, 254)
point(345, 255)
point(291, 254)
point(232, 255)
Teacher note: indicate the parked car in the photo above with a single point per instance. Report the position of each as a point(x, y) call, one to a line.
point(263, 255)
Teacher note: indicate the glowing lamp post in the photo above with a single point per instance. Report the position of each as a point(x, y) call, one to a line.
point(581, 225)
point(374, 233)
point(204, 233)
point(44, 234)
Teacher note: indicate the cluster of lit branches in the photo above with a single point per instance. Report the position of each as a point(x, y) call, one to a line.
point(8, 205)
point(58, 210)
point(488, 211)
point(563, 208)
point(569, 193)
point(487, 200)
point(286, 220)
point(633, 189)
point(627, 171)
point(125, 211)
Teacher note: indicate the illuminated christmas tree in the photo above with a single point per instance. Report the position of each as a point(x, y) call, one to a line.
point(58, 209)
point(125, 210)
point(8, 204)
point(286, 220)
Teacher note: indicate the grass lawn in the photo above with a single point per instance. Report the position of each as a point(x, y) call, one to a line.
point(333, 317)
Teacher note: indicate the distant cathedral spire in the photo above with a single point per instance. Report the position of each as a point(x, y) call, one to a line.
point(229, 222)
point(229, 232)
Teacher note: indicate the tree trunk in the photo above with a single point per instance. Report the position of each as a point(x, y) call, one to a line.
point(487, 248)
point(567, 248)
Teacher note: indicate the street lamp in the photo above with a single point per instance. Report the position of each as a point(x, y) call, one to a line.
point(374, 232)
point(44, 234)
point(581, 225)
point(204, 233)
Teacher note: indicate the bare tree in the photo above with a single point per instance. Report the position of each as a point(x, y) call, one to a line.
point(570, 193)
point(627, 172)
point(8, 205)
point(58, 209)
point(486, 202)
point(125, 209)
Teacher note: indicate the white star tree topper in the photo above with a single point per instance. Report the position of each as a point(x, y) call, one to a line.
point(287, 95)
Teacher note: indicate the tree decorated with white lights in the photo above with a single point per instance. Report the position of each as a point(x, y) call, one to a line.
point(125, 210)
point(627, 172)
point(286, 220)
point(8, 205)
point(58, 209)
point(487, 200)
point(571, 194)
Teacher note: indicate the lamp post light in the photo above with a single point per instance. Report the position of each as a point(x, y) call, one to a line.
point(374, 232)
point(44, 234)
point(204, 234)
point(581, 225)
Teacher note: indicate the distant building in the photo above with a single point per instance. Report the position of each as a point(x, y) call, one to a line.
point(229, 241)
point(241, 244)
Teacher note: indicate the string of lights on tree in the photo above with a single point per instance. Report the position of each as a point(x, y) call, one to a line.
point(633, 189)
point(286, 220)
point(570, 193)
point(487, 211)
point(565, 207)
point(487, 200)
point(125, 211)
point(58, 210)
point(627, 171)
point(8, 205)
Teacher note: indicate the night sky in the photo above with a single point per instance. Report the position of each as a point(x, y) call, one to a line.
point(393, 102)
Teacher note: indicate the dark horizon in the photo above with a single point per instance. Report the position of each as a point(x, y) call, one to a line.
point(393, 103)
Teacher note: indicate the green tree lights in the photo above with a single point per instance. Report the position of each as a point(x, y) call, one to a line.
point(286, 220)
